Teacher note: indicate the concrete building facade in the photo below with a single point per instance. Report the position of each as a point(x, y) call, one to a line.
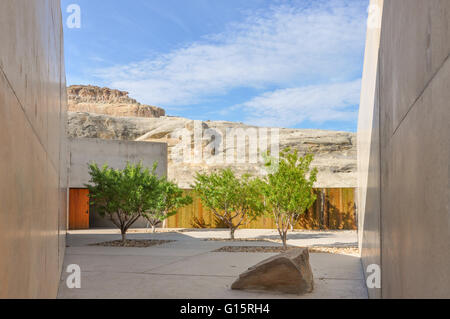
point(33, 148)
point(403, 148)
point(115, 154)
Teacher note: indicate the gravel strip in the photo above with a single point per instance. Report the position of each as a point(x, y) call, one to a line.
point(238, 239)
point(133, 243)
point(352, 251)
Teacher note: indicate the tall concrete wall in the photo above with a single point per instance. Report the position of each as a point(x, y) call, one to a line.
point(404, 167)
point(33, 148)
point(116, 154)
point(368, 146)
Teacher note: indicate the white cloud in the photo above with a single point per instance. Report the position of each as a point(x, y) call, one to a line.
point(285, 46)
point(318, 104)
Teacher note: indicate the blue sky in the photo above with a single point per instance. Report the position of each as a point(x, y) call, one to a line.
point(279, 63)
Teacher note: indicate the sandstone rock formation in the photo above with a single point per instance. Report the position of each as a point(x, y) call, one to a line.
point(100, 113)
point(117, 103)
point(335, 152)
point(289, 272)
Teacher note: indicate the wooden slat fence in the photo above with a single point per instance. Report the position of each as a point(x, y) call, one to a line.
point(334, 209)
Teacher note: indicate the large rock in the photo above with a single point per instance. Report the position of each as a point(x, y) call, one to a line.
point(111, 114)
point(334, 152)
point(289, 272)
point(94, 99)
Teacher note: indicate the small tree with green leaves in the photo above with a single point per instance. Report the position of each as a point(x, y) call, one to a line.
point(288, 189)
point(231, 199)
point(123, 196)
point(168, 200)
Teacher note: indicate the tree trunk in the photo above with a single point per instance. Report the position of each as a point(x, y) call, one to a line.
point(232, 230)
point(124, 236)
point(153, 229)
point(284, 240)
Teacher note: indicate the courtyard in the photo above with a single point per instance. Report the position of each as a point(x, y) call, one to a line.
point(189, 266)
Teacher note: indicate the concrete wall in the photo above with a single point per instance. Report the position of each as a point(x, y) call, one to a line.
point(368, 194)
point(33, 148)
point(116, 154)
point(404, 188)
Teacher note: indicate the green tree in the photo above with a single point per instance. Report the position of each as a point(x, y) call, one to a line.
point(231, 199)
point(169, 198)
point(123, 195)
point(288, 189)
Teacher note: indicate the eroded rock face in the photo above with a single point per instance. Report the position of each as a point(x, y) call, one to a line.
point(94, 99)
point(288, 272)
point(335, 152)
point(104, 113)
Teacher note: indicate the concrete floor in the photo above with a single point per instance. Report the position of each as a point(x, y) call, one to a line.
point(188, 267)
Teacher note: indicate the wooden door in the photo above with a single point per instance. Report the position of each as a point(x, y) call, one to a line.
point(78, 209)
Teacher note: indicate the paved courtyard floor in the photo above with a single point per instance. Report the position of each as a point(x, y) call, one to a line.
point(188, 267)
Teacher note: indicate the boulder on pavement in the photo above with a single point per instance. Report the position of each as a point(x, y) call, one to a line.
point(288, 272)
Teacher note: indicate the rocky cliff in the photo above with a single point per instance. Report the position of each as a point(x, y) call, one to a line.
point(94, 99)
point(335, 152)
